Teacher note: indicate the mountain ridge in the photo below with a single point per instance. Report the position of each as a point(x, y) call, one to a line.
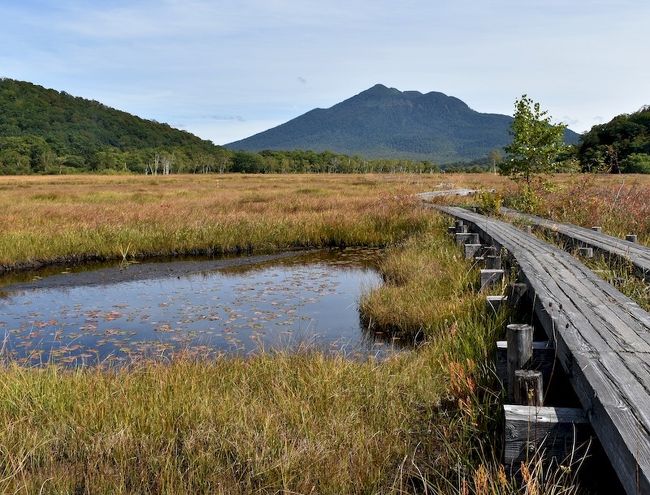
point(383, 122)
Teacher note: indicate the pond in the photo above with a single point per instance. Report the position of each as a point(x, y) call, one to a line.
point(122, 313)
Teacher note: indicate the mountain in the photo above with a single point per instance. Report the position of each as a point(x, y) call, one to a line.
point(40, 127)
point(384, 122)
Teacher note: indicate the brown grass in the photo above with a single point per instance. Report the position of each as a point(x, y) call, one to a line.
point(43, 219)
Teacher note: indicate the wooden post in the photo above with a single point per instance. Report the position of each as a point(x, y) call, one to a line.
point(463, 238)
point(491, 251)
point(490, 278)
point(458, 224)
point(543, 360)
point(587, 252)
point(493, 262)
point(517, 292)
point(528, 388)
point(474, 238)
point(631, 238)
point(451, 230)
point(471, 250)
point(520, 351)
point(529, 229)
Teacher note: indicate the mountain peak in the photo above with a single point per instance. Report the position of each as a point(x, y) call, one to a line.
point(380, 90)
point(383, 122)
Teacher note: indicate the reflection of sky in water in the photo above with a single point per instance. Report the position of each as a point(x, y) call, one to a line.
point(276, 305)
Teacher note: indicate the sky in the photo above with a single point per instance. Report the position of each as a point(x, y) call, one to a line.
point(225, 70)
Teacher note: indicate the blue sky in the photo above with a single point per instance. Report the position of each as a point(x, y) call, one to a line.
point(227, 69)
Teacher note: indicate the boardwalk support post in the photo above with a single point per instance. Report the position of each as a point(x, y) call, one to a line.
point(493, 262)
point(463, 238)
point(543, 360)
point(520, 351)
point(529, 388)
point(517, 292)
point(490, 278)
point(471, 250)
point(495, 302)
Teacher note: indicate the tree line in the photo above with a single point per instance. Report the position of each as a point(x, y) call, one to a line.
point(32, 155)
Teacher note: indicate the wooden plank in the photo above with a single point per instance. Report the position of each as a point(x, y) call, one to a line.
point(637, 254)
point(554, 432)
point(601, 339)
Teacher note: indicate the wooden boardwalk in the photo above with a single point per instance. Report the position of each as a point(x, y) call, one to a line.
point(637, 254)
point(602, 340)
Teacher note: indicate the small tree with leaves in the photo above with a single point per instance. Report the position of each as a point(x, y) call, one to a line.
point(536, 143)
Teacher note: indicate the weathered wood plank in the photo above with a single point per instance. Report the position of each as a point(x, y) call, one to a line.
point(637, 254)
point(601, 339)
point(554, 432)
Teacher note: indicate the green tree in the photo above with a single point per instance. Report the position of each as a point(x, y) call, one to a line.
point(536, 142)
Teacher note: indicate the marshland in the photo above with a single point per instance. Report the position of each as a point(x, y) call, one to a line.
point(298, 419)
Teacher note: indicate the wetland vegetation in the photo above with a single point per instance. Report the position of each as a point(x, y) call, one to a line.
point(423, 421)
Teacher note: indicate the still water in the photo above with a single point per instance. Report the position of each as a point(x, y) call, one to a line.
point(120, 314)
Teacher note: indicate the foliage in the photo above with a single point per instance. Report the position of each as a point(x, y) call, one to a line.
point(636, 163)
point(536, 143)
point(490, 202)
point(619, 145)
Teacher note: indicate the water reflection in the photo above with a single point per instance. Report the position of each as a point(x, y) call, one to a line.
point(207, 307)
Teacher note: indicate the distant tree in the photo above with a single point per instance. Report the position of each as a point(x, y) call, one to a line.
point(246, 162)
point(536, 142)
point(495, 158)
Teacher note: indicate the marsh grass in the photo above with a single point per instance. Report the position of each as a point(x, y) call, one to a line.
point(422, 421)
point(428, 285)
point(58, 219)
point(617, 203)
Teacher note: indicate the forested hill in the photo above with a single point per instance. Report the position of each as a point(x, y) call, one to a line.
point(43, 129)
point(620, 145)
point(384, 122)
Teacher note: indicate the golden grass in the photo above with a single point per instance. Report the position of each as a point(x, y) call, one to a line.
point(44, 219)
point(275, 423)
point(423, 420)
point(617, 203)
point(64, 218)
point(424, 293)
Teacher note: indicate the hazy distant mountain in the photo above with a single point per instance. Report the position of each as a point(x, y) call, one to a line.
point(384, 122)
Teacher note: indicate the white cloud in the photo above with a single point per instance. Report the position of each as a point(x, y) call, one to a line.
point(249, 61)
